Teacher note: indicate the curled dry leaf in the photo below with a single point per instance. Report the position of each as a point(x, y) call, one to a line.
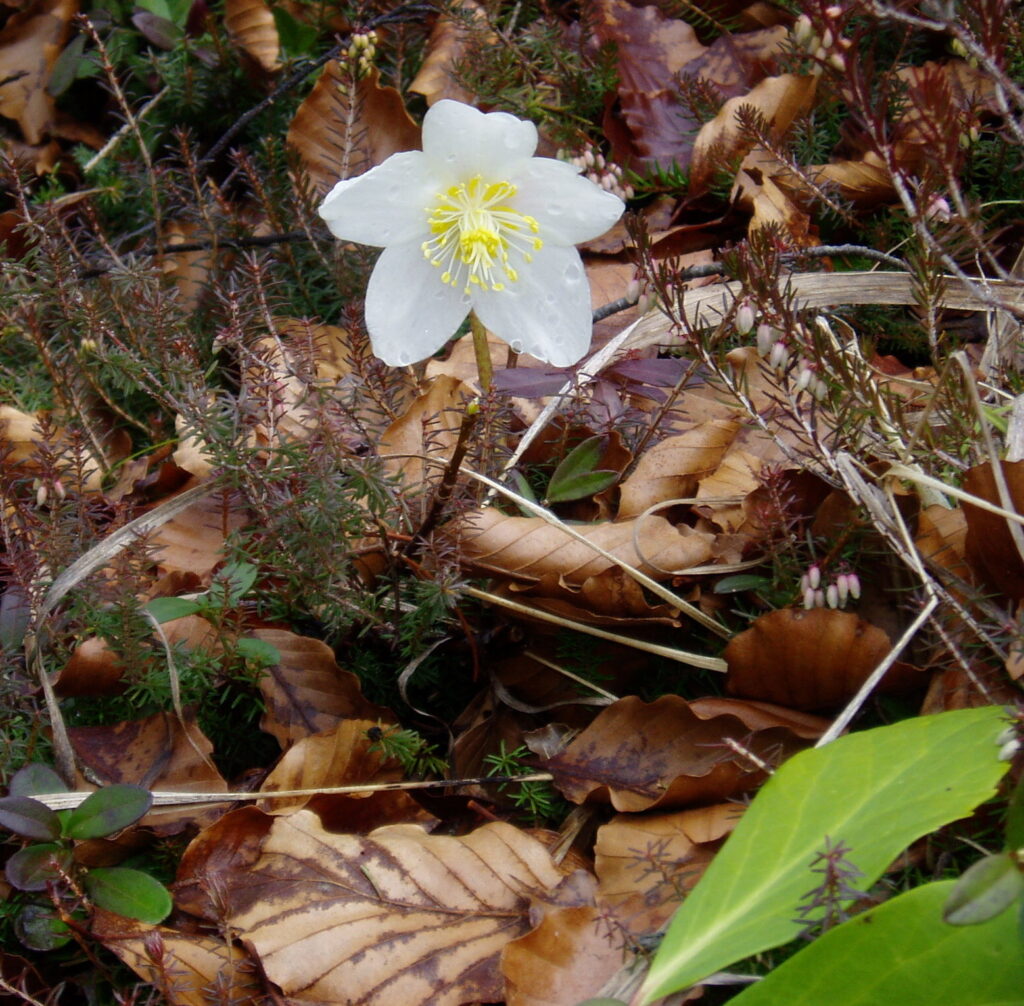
point(193, 540)
point(30, 43)
point(398, 916)
point(447, 45)
point(307, 692)
point(341, 756)
point(990, 548)
point(815, 659)
point(609, 598)
point(250, 23)
point(652, 49)
point(779, 99)
point(645, 863)
point(671, 753)
point(566, 959)
point(428, 429)
point(344, 128)
point(727, 490)
point(672, 468)
point(160, 753)
point(531, 547)
point(184, 966)
point(19, 431)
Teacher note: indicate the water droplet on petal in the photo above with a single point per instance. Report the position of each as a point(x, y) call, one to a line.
point(517, 345)
point(403, 359)
point(555, 209)
point(573, 273)
point(451, 158)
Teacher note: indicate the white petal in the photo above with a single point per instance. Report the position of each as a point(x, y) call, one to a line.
point(410, 313)
point(461, 141)
point(386, 205)
point(568, 207)
point(547, 312)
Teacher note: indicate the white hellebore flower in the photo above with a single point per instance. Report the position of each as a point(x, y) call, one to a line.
point(474, 222)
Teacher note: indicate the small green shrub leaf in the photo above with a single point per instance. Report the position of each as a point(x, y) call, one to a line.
point(987, 888)
point(239, 578)
point(1015, 818)
point(740, 581)
point(32, 868)
point(108, 810)
point(166, 609)
point(40, 928)
point(35, 780)
point(875, 792)
point(258, 651)
point(901, 952)
point(29, 818)
point(575, 478)
point(131, 893)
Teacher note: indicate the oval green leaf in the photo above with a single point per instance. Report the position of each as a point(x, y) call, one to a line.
point(166, 609)
point(575, 478)
point(108, 810)
point(127, 892)
point(36, 780)
point(901, 953)
point(875, 792)
point(40, 928)
point(987, 888)
point(258, 651)
point(32, 868)
point(29, 818)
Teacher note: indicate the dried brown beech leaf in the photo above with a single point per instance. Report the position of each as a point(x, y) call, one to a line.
point(307, 692)
point(94, 669)
point(734, 480)
point(447, 45)
point(609, 598)
point(639, 755)
point(250, 23)
point(19, 431)
point(779, 99)
point(757, 190)
point(530, 547)
point(159, 753)
point(989, 546)
point(30, 43)
point(566, 959)
point(399, 916)
point(184, 966)
point(735, 62)
point(337, 757)
point(652, 50)
point(429, 428)
point(188, 270)
point(343, 128)
point(813, 659)
point(645, 863)
point(193, 540)
point(671, 469)
point(941, 539)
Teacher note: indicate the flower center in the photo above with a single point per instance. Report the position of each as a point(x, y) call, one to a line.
point(478, 239)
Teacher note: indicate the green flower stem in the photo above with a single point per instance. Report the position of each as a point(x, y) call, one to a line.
point(483, 352)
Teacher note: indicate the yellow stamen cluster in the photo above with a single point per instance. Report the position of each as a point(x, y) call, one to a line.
point(476, 234)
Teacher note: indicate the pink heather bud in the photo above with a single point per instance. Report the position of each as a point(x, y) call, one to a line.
point(607, 183)
point(803, 31)
point(1009, 750)
point(837, 61)
point(842, 589)
point(853, 582)
point(633, 290)
point(805, 377)
point(588, 157)
point(834, 12)
point(779, 356)
point(627, 192)
point(938, 209)
point(814, 576)
point(41, 492)
point(745, 318)
point(819, 598)
point(832, 595)
point(600, 162)
point(809, 598)
point(819, 389)
point(827, 39)
point(803, 583)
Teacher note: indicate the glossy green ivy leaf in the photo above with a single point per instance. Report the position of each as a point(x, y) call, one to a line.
point(40, 928)
point(127, 892)
point(36, 780)
point(32, 868)
point(108, 810)
point(576, 478)
point(902, 953)
point(875, 792)
point(28, 818)
point(986, 888)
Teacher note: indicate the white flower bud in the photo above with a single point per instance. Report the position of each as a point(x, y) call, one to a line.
point(803, 31)
point(832, 595)
point(814, 576)
point(805, 377)
point(779, 357)
point(1008, 750)
point(827, 39)
point(854, 584)
point(41, 492)
point(837, 61)
point(819, 598)
point(745, 318)
point(809, 598)
point(842, 589)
